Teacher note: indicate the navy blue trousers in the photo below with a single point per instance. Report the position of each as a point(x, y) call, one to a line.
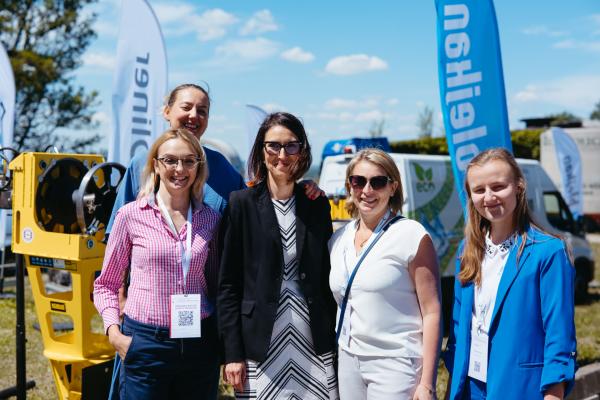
point(157, 367)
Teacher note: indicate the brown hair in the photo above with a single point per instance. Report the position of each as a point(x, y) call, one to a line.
point(150, 181)
point(384, 161)
point(170, 99)
point(257, 170)
point(478, 227)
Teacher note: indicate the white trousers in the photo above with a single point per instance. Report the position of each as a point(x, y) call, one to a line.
point(377, 378)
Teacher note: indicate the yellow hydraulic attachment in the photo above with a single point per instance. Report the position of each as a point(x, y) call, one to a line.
point(61, 204)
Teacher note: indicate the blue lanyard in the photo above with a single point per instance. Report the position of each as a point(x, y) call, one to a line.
point(355, 270)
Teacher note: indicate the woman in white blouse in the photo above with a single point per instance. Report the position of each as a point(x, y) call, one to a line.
point(390, 335)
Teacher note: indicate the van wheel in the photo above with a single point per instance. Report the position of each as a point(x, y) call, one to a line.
point(581, 289)
point(584, 273)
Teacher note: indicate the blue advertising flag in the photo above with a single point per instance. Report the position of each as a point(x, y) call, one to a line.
point(569, 165)
point(471, 82)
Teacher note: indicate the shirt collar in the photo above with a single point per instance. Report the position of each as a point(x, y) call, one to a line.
point(492, 249)
point(150, 201)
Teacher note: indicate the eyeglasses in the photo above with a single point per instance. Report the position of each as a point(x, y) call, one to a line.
point(291, 148)
point(376, 182)
point(187, 162)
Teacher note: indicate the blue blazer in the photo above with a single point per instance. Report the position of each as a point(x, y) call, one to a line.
point(532, 334)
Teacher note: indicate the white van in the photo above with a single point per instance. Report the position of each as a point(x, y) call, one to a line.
point(431, 198)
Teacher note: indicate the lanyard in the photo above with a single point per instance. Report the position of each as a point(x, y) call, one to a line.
point(186, 250)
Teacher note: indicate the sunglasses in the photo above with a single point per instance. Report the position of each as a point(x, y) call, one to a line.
point(376, 182)
point(291, 148)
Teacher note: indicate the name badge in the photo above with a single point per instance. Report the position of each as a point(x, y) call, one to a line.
point(478, 357)
point(185, 316)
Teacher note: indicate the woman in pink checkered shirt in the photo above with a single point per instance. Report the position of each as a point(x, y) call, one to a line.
point(168, 341)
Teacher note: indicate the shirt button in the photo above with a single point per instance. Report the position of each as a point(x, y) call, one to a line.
point(309, 300)
point(302, 276)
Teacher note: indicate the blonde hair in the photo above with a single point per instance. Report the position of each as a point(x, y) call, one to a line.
point(477, 227)
point(382, 160)
point(151, 180)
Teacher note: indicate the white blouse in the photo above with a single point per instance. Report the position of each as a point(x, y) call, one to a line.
point(492, 267)
point(383, 314)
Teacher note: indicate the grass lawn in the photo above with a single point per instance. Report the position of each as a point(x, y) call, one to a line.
point(587, 321)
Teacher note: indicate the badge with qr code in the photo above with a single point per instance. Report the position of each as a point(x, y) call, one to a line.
point(185, 316)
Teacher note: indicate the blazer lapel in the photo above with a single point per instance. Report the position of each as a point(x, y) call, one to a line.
point(466, 313)
point(268, 219)
point(511, 270)
point(302, 211)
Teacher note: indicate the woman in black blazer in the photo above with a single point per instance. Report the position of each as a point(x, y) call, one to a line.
point(276, 312)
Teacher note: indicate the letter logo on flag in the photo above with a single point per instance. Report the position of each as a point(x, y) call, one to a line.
point(140, 82)
point(471, 82)
point(7, 119)
point(569, 165)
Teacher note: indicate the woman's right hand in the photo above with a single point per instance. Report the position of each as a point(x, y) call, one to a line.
point(119, 341)
point(235, 375)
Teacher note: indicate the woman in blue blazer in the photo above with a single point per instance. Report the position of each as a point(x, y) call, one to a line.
point(513, 333)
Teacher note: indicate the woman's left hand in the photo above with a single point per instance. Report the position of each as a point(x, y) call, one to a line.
point(312, 190)
point(424, 392)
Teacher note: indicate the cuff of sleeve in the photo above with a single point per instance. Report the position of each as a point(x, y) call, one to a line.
point(558, 372)
point(110, 316)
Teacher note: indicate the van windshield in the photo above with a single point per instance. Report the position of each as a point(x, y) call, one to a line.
point(558, 213)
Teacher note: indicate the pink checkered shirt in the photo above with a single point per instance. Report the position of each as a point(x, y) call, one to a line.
point(142, 235)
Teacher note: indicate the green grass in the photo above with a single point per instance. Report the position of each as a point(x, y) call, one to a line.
point(587, 322)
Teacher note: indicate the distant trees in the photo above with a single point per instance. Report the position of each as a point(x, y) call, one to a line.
point(561, 118)
point(596, 112)
point(377, 128)
point(526, 144)
point(425, 122)
point(45, 40)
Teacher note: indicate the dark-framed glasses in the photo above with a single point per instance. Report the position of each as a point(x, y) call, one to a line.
point(187, 162)
point(291, 148)
point(376, 182)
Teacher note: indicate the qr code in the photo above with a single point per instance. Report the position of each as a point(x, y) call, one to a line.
point(186, 318)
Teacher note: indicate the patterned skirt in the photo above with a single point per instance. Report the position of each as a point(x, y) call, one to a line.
point(291, 370)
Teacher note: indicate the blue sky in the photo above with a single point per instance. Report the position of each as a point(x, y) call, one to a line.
point(342, 65)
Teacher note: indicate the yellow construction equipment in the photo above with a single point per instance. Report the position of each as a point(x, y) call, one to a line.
point(61, 204)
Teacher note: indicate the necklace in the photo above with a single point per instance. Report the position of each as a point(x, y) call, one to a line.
point(361, 244)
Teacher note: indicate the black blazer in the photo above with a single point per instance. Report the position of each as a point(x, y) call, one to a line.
point(252, 269)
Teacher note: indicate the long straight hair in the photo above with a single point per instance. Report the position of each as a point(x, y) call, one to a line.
point(478, 227)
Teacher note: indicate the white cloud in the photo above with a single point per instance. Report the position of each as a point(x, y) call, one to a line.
point(172, 12)
point(273, 107)
point(349, 104)
point(592, 47)
point(355, 64)
point(102, 118)
point(246, 50)
point(296, 54)
point(337, 103)
point(575, 93)
point(374, 115)
point(393, 102)
point(346, 116)
point(99, 60)
point(262, 21)
point(542, 30)
point(180, 19)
